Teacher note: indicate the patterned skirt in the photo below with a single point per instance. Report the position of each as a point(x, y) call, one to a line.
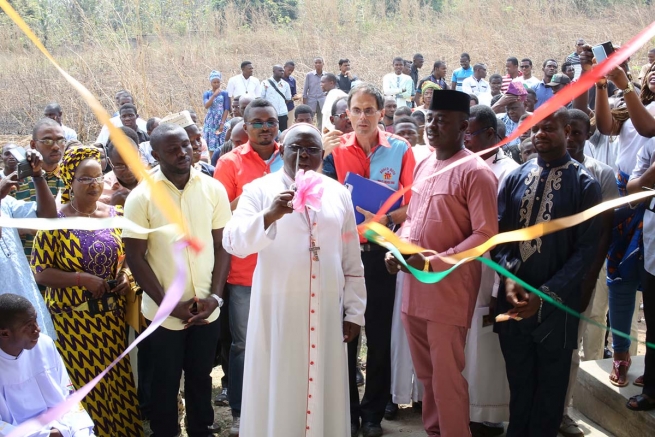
point(88, 344)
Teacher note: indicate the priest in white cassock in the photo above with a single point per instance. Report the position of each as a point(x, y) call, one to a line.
point(308, 295)
point(485, 365)
point(33, 377)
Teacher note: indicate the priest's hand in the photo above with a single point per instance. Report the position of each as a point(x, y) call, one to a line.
point(279, 208)
point(350, 331)
point(205, 309)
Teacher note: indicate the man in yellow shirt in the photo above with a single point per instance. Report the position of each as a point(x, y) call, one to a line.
point(187, 339)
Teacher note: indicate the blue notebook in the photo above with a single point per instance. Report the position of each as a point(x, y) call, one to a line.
point(369, 195)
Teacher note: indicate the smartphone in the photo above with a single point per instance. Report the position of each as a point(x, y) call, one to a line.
point(602, 51)
point(24, 168)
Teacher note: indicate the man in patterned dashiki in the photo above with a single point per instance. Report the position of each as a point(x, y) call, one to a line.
point(86, 282)
point(538, 340)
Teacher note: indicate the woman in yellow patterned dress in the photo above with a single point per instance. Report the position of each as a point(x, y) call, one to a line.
point(85, 296)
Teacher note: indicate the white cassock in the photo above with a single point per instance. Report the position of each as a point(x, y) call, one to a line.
point(485, 366)
point(295, 380)
point(34, 382)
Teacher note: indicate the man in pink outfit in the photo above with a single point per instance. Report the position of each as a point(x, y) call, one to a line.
point(449, 213)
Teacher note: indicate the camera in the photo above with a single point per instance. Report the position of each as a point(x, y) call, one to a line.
point(24, 166)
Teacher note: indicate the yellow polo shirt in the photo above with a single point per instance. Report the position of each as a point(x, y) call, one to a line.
point(205, 207)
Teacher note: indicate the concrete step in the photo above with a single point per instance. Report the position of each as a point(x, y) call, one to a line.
point(597, 399)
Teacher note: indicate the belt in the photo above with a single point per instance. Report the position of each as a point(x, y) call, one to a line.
point(108, 302)
point(368, 247)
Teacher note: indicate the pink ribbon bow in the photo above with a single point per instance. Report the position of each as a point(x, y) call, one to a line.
point(309, 191)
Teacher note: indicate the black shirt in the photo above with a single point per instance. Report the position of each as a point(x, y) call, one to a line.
point(344, 83)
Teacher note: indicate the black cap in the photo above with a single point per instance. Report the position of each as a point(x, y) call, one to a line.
point(451, 100)
point(559, 79)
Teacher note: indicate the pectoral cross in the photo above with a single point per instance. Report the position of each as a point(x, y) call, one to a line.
point(314, 249)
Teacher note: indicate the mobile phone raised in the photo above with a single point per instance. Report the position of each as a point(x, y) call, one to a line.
point(24, 168)
point(602, 51)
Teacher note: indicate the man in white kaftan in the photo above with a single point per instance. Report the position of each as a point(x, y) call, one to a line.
point(485, 365)
point(305, 304)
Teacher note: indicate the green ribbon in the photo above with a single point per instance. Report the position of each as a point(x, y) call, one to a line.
point(434, 277)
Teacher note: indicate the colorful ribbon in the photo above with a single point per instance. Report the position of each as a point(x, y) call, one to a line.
point(309, 191)
point(171, 298)
point(82, 223)
point(434, 277)
point(378, 233)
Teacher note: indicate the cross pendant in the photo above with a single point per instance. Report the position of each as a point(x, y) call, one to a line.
point(314, 249)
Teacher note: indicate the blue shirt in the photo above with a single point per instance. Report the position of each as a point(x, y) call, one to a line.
point(539, 192)
point(543, 93)
point(292, 84)
point(460, 74)
point(510, 127)
point(17, 275)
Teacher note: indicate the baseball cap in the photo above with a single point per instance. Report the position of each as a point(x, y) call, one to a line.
point(559, 79)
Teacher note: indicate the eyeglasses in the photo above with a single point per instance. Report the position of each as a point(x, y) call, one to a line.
point(117, 166)
point(48, 142)
point(263, 124)
point(89, 181)
point(301, 149)
point(341, 116)
point(369, 112)
point(476, 133)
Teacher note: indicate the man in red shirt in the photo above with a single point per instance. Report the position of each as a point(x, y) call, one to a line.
point(388, 159)
point(258, 157)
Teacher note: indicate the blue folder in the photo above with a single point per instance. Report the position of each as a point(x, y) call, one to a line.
point(369, 195)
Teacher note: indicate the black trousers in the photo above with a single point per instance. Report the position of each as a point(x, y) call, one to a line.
point(380, 291)
point(144, 371)
point(193, 351)
point(283, 120)
point(648, 294)
point(538, 377)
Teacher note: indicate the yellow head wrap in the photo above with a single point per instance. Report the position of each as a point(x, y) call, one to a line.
point(72, 158)
point(430, 85)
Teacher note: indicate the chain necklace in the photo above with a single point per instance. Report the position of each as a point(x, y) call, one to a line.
point(84, 213)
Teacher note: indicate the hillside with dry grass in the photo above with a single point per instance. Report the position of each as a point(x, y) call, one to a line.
point(166, 68)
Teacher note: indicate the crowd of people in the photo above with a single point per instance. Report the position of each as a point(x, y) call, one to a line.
point(282, 292)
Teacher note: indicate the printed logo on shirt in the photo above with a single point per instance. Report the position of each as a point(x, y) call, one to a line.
point(388, 174)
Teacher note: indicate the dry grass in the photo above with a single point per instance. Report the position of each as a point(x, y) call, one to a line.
point(169, 72)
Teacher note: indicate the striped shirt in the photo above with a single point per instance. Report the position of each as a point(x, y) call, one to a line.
point(27, 192)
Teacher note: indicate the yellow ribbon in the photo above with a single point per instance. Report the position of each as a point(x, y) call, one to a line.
point(525, 234)
point(126, 150)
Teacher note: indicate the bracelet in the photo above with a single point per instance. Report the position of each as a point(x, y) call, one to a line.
point(601, 86)
point(218, 299)
point(541, 304)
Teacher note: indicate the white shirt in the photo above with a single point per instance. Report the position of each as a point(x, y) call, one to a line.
point(501, 165)
point(69, 133)
point(533, 81)
point(103, 137)
point(646, 158)
point(602, 148)
point(269, 93)
point(331, 97)
point(630, 142)
point(393, 85)
point(472, 85)
point(34, 382)
point(297, 309)
point(238, 85)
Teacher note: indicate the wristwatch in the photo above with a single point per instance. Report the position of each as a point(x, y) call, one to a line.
point(390, 223)
point(218, 299)
point(629, 89)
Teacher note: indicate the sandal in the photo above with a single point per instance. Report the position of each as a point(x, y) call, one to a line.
point(639, 382)
point(616, 371)
point(643, 402)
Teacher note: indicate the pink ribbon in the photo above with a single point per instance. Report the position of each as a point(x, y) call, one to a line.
point(172, 297)
point(309, 191)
